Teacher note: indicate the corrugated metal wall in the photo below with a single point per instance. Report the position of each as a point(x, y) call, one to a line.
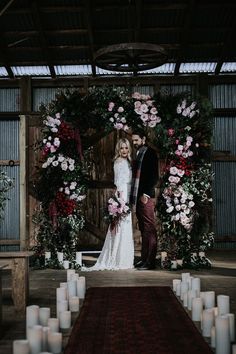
point(9, 100)
point(224, 189)
point(9, 150)
point(47, 94)
point(173, 89)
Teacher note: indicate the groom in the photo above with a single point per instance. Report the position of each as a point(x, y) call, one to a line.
point(145, 176)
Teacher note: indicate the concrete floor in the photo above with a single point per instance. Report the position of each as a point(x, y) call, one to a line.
point(221, 278)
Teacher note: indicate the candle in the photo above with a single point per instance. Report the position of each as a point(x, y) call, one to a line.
point(63, 285)
point(55, 342)
point(213, 337)
point(178, 288)
point(175, 282)
point(45, 338)
point(185, 276)
point(47, 255)
point(61, 294)
point(60, 257)
point(183, 289)
point(163, 256)
point(74, 276)
point(21, 346)
point(179, 262)
point(234, 349)
point(208, 318)
point(202, 296)
point(173, 264)
point(231, 326)
point(74, 304)
point(201, 254)
point(61, 306)
point(222, 335)
point(66, 264)
point(185, 300)
point(44, 314)
point(35, 338)
point(223, 304)
point(65, 319)
point(189, 281)
point(78, 258)
point(196, 309)
point(209, 299)
point(72, 288)
point(191, 296)
point(81, 287)
point(53, 324)
point(68, 274)
point(196, 285)
point(32, 315)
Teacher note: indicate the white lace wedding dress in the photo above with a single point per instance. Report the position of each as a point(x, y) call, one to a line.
point(118, 249)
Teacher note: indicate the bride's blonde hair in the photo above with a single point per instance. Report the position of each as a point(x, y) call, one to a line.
point(118, 147)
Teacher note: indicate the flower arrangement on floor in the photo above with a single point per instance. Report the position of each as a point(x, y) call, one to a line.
point(180, 126)
point(116, 210)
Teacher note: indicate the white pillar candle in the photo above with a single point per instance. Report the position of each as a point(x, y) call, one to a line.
point(223, 304)
point(196, 309)
point(163, 256)
point(74, 304)
point(61, 306)
point(196, 285)
point(63, 285)
point(61, 294)
point(60, 257)
point(185, 300)
point(201, 254)
point(32, 315)
point(47, 255)
point(183, 289)
point(68, 274)
point(191, 296)
point(189, 281)
point(66, 264)
point(44, 314)
point(21, 346)
point(173, 264)
point(74, 276)
point(53, 324)
point(234, 349)
point(208, 318)
point(178, 288)
point(72, 288)
point(35, 338)
point(179, 262)
point(55, 342)
point(65, 319)
point(213, 337)
point(222, 335)
point(81, 287)
point(185, 276)
point(209, 299)
point(231, 326)
point(175, 282)
point(78, 258)
point(45, 338)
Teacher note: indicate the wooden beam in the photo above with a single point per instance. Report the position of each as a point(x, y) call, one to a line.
point(6, 7)
point(88, 17)
point(4, 59)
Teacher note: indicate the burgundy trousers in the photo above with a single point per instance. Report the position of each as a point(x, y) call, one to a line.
point(146, 220)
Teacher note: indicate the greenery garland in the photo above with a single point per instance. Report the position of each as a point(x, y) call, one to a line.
point(180, 126)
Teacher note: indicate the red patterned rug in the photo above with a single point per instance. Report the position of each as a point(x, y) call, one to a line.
point(134, 320)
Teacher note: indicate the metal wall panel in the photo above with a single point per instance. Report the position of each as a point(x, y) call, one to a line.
point(45, 95)
point(9, 100)
point(224, 137)
point(144, 90)
point(223, 96)
point(224, 194)
point(9, 150)
point(173, 89)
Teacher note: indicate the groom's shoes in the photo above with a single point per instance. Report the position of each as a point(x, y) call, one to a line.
point(146, 266)
point(139, 264)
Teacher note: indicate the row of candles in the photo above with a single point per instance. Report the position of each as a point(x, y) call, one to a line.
point(64, 262)
point(217, 323)
point(43, 332)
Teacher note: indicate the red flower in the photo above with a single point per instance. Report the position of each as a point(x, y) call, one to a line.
point(65, 132)
point(64, 206)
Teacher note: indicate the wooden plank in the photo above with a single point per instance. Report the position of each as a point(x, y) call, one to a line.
point(10, 242)
point(22, 144)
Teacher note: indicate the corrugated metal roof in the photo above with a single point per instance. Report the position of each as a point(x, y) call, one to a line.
point(187, 68)
point(73, 70)
point(228, 67)
point(31, 70)
point(3, 71)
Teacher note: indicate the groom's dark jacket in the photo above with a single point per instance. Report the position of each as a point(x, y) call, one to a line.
point(149, 173)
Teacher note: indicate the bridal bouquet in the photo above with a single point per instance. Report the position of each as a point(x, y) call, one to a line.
point(116, 210)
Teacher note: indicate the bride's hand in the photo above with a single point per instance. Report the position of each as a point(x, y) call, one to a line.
point(144, 199)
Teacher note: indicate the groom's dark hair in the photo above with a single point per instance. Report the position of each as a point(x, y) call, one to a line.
point(139, 132)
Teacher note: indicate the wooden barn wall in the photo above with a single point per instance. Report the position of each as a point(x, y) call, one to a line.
point(26, 95)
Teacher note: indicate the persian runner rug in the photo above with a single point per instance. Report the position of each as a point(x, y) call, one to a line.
point(134, 320)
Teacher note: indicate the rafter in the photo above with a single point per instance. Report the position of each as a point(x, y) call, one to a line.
point(4, 59)
point(88, 16)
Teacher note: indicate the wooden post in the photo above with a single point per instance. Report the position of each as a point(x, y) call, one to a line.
point(23, 188)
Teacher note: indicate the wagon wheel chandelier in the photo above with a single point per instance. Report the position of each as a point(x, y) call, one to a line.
point(130, 57)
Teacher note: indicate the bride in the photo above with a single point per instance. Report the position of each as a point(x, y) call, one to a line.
point(118, 249)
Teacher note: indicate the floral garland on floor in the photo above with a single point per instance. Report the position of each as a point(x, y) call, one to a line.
point(178, 125)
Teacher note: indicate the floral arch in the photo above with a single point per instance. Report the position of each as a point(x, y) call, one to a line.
point(179, 126)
